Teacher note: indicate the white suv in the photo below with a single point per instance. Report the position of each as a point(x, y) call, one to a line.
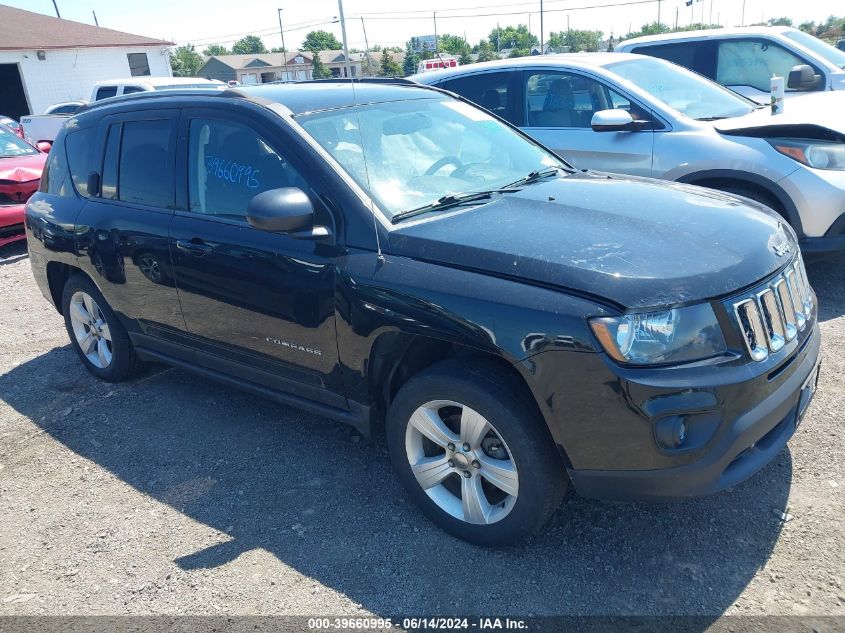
point(745, 58)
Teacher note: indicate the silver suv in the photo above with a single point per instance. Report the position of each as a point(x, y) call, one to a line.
point(745, 58)
point(643, 116)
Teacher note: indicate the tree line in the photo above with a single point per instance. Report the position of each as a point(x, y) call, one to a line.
point(516, 41)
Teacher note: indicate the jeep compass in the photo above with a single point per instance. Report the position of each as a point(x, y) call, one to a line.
point(398, 259)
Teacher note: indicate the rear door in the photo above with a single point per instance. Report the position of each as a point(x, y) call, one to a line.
point(122, 232)
point(258, 305)
point(558, 109)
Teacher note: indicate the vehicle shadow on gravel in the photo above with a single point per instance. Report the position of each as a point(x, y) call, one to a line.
point(827, 277)
point(324, 501)
point(10, 253)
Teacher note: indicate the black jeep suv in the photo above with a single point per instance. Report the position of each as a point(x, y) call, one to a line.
point(393, 257)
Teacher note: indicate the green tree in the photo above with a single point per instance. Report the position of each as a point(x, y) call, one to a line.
point(409, 66)
point(465, 57)
point(249, 45)
point(451, 44)
point(486, 52)
point(808, 27)
point(389, 67)
point(512, 37)
point(576, 40)
point(215, 49)
point(185, 61)
point(321, 41)
point(780, 22)
point(277, 49)
point(318, 69)
point(520, 52)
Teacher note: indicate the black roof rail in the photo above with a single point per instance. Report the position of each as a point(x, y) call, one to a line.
point(360, 80)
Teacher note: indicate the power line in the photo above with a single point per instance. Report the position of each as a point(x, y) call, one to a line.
point(507, 13)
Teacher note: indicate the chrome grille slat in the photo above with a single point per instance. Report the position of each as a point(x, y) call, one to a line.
point(773, 316)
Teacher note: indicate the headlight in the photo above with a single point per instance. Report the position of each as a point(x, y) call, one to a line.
point(817, 154)
point(672, 336)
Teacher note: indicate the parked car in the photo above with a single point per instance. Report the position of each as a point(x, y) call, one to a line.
point(745, 58)
point(643, 116)
point(67, 107)
point(396, 258)
point(13, 125)
point(21, 165)
point(117, 87)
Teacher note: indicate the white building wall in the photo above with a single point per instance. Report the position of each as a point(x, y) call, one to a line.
point(70, 74)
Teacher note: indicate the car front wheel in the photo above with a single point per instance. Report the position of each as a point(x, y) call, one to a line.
point(473, 453)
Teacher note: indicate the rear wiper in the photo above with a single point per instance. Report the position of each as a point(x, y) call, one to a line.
point(449, 200)
point(536, 175)
point(711, 118)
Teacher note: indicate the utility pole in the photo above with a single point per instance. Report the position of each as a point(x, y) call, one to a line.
point(284, 48)
point(711, 11)
point(96, 23)
point(367, 46)
point(436, 43)
point(568, 33)
point(658, 15)
point(345, 45)
point(498, 38)
point(58, 15)
point(542, 40)
point(676, 18)
point(743, 13)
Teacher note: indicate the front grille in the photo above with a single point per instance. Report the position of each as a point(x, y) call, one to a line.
point(773, 316)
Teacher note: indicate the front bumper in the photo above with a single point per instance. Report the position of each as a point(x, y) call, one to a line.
point(11, 224)
point(819, 199)
point(744, 447)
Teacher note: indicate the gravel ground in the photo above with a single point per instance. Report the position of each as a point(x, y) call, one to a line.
point(174, 495)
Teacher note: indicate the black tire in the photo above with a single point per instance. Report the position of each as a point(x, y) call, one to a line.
point(507, 405)
point(753, 194)
point(124, 362)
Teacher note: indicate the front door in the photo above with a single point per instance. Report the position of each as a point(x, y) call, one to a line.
point(559, 108)
point(259, 305)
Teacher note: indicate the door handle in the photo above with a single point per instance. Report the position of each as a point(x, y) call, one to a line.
point(195, 247)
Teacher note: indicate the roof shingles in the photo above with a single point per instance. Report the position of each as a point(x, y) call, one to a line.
point(25, 30)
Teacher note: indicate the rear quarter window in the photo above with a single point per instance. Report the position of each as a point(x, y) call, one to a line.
point(78, 146)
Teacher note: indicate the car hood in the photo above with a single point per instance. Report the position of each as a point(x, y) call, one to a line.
point(818, 109)
point(22, 168)
point(635, 242)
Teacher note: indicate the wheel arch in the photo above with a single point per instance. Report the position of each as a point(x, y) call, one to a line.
point(57, 275)
point(719, 178)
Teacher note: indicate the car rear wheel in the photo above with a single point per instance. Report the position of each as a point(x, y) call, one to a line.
point(473, 453)
point(95, 333)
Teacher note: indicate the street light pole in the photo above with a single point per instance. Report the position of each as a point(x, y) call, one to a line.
point(743, 13)
point(542, 41)
point(343, 32)
point(284, 49)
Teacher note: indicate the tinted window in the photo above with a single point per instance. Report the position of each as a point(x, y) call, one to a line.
point(69, 108)
point(55, 179)
point(138, 64)
point(228, 164)
point(78, 146)
point(145, 174)
point(128, 90)
point(105, 92)
point(556, 99)
point(753, 63)
point(108, 189)
point(489, 90)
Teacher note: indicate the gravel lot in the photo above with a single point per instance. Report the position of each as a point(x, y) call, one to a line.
point(174, 495)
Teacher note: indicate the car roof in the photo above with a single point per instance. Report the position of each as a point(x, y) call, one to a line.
point(158, 81)
point(706, 33)
point(571, 60)
point(298, 98)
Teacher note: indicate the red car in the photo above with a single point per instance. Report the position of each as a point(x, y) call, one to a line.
point(21, 165)
point(13, 125)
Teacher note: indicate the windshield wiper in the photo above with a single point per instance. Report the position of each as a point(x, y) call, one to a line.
point(449, 200)
point(711, 118)
point(536, 175)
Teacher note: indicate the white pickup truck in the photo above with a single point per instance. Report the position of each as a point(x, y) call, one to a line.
point(45, 127)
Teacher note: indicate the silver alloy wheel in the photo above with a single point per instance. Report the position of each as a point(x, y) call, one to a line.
point(461, 471)
point(90, 329)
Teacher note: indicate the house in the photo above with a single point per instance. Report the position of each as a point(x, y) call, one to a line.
point(46, 60)
point(260, 68)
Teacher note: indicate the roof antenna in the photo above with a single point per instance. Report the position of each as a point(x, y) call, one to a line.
point(380, 255)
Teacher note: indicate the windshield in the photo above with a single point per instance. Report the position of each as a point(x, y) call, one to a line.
point(819, 47)
point(681, 89)
point(408, 154)
point(12, 145)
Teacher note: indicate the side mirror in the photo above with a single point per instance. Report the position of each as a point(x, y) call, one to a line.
point(613, 121)
point(44, 146)
point(286, 210)
point(802, 77)
point(93, 184)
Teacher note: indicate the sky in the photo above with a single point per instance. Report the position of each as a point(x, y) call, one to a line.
point(393, 22)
